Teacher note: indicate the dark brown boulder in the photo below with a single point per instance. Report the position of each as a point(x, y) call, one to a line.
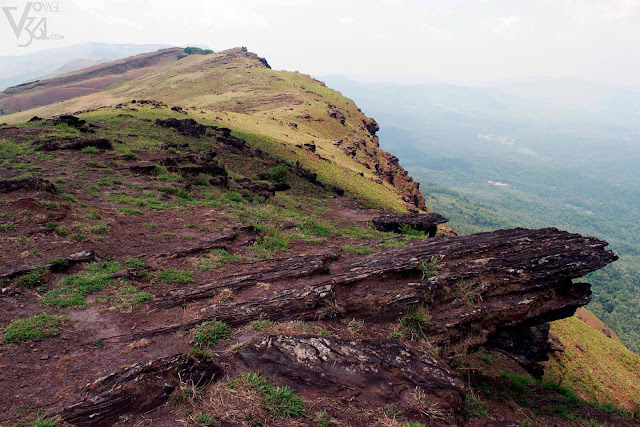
point(33, 184)
point(337, 115)
point(261, 189)
point(75, 144)
point(185, 126)
point(72, 121)
point(396, 223)
point(350, 150)
point(233, 144)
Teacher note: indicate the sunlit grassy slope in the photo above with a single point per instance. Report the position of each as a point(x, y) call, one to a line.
point(595, 364)
point(276, 110)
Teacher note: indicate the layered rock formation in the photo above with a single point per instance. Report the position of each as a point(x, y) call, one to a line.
point(469, 290)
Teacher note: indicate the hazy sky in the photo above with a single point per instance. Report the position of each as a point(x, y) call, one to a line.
point(398, 40)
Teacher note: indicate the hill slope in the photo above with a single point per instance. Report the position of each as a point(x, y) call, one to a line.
point(594, 364)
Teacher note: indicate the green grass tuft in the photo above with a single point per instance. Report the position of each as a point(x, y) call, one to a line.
point(409, 231)
point(208, 333)
point(74, 288)
point(48, 205)
point(90, 150)
point(134, 263)
point(175, 276)
point(206, 420)
point(416, 322)
point(277, 401)
point(322, 418)
point(35, 328)
point(32, 279)
point(129, 297)
point(475, 408)
point(485, 358)
point(516, 381)
point(429, 268)
point(358, 250)
point(41, 422)
point(7, 227)
point(280, 173)
point(217, 258)
point(261, 324)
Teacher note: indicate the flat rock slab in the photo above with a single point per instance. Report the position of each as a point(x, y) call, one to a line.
point(421, 222)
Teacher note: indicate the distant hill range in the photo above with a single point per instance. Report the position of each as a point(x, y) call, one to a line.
point(47, 63)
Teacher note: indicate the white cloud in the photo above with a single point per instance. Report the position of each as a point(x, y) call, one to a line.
point(441, 40)
point(504, 24)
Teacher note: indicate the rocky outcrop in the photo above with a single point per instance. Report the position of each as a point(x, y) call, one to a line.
point(69, 120)
point(184, 165)
point(336, 114)
point(421, 222)
point(75, 144)
point(526, 344)
point(472, 286)
point(261, 189)
point(389, 170)
point(242, 52)
point(370, 372)
point(137, 388)
point(186, 126)
point(371, 125)
point(33, 184)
